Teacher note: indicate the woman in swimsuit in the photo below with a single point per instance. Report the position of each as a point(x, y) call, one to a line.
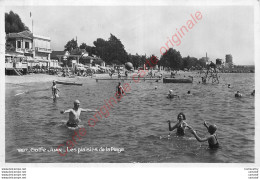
point(212, 139)
point(180, 125)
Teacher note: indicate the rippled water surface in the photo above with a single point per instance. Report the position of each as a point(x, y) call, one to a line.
point(137, 123)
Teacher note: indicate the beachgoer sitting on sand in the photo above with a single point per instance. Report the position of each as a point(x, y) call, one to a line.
point(238, 94)
point(180, 125)
point(74, 114)
point(171, 95)
point(54, 90)
point(119, 89)
point(212, 139)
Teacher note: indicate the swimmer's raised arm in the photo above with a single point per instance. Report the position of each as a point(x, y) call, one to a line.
point(89, 110)
point(197, 137)
point(206, 125)
point(65, 111)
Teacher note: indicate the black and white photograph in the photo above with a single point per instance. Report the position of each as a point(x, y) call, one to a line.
point(147, 83)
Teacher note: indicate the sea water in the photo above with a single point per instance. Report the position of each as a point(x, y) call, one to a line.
point(136, 129)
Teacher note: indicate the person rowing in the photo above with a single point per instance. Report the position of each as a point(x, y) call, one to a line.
point(74, 114)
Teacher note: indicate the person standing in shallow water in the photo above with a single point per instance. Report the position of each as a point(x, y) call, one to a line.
point(54, 90)
point(119, 89)
point(212, 139)
point(74, 114)
point(180, 125)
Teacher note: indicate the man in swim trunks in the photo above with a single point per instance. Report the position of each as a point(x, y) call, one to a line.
point(74, 114)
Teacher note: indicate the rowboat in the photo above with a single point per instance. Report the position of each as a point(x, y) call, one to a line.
point(69, 83)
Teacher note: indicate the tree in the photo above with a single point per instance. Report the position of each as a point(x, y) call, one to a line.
point(172, 59)
point(91, 50)
point(71, 45)
point(137, 60)
point(189, 62)
point(111, 51)
point(13, 23)
point(151, 61)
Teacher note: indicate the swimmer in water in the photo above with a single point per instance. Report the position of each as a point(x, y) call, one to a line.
point(253, 93)
point(238, 95)
point(229, 86)
point(74, 114)
point(54, 90)
point(180, 125)
point(188, 93)
point(212, 139)
point(171, 95)
point(119, 89)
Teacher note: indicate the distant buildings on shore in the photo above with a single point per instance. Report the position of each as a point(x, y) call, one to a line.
point(26, 52)
point(229, 67)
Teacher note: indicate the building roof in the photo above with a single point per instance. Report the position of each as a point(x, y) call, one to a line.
point(25, 34)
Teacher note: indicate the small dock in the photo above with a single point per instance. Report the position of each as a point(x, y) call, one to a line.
point(122, 79)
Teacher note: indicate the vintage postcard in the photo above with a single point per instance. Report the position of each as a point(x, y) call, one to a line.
point(130, 82)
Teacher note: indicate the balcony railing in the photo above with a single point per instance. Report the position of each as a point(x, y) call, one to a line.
point(24, 50)
point(39, 49)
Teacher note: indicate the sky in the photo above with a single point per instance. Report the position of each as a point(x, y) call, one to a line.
point(145, 29)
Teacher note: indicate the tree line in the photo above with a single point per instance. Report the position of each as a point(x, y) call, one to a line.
point(112, 51)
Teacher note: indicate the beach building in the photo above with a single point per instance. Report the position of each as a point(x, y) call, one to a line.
point(229, 61)
point(26, 52)
point(219, 63)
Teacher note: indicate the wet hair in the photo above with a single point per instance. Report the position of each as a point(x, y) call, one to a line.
point(212, 129)
point(181, 114)
point(188, 92)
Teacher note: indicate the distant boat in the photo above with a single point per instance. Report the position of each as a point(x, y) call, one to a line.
point(176, 80)
point(68, 83)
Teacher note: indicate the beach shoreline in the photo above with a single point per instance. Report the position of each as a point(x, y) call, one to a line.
point(41, 78)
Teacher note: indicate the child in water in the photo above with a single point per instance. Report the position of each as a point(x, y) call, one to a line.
point(212, 139)
point(180, 125)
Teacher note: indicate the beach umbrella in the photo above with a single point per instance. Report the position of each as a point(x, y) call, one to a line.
point(129, 66)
